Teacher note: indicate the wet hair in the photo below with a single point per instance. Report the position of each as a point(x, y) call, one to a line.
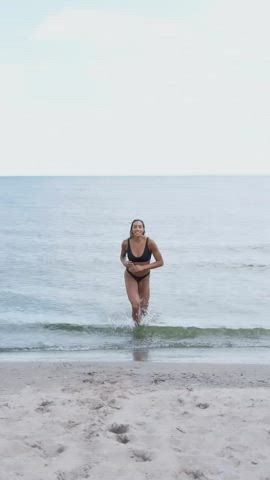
point(132, 223)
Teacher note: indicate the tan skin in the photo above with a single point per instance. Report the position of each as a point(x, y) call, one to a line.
point(139, 293)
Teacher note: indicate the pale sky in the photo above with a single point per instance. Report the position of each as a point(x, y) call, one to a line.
point(134, 87)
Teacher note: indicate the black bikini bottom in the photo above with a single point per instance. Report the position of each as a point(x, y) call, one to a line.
point(138, 278)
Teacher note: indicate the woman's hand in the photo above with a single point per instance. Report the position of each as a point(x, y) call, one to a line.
point(135, 268)
point(128, 264)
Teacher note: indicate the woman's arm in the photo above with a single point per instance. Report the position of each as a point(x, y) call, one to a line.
point(124, 253)
point(157, 255)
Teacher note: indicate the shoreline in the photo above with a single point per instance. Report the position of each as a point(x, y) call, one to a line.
point(245, 356)
point(121, 420)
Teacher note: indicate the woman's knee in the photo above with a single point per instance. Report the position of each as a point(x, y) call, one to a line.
point(136, 304)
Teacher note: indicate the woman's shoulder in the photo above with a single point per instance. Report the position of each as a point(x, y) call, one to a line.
point(125, 242)
point(151, 243)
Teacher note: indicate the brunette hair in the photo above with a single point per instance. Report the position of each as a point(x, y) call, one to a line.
point(132, 223)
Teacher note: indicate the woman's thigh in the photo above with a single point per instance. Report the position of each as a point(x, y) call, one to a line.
point(144, 290)
point(132, 289)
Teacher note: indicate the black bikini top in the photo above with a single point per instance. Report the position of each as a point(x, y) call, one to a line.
point(145, 257)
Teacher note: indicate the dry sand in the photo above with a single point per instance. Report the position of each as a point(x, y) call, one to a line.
point(75, 421)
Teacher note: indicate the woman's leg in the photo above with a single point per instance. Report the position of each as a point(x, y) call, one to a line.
point(144, 293)
point(133, 296)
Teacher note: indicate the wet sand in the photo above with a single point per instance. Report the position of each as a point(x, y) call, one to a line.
point(75, 421)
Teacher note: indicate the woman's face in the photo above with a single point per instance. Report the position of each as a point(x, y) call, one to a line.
point(137, 229)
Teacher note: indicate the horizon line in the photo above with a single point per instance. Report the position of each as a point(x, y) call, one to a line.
point(141, 175)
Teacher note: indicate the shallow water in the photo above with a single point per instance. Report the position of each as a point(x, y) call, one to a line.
point(62, 289)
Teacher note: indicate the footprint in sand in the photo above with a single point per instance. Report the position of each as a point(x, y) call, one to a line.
point(36, 445)
point(141, 456)
point(60, 449)
point(47, 452)
point(158, 379)
point(119, 428)
point(44, 406)
point(203, 406)
point(196, 475)
point(114, 404)
point(122, 438)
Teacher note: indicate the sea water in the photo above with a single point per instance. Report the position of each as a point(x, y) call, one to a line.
point(62, 292)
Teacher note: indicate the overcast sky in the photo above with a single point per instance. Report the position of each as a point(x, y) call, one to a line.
point(128, 87)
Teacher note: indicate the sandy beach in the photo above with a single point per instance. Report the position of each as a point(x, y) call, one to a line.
point(69, 421)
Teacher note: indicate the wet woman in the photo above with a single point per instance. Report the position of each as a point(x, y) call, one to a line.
point(138, 249)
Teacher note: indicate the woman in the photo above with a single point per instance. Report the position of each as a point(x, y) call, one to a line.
point(139, 249)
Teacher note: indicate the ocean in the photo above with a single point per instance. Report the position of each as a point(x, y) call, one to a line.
point(62, 292)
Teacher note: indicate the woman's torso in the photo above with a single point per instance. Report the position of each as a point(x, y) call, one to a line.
point(142, 259)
